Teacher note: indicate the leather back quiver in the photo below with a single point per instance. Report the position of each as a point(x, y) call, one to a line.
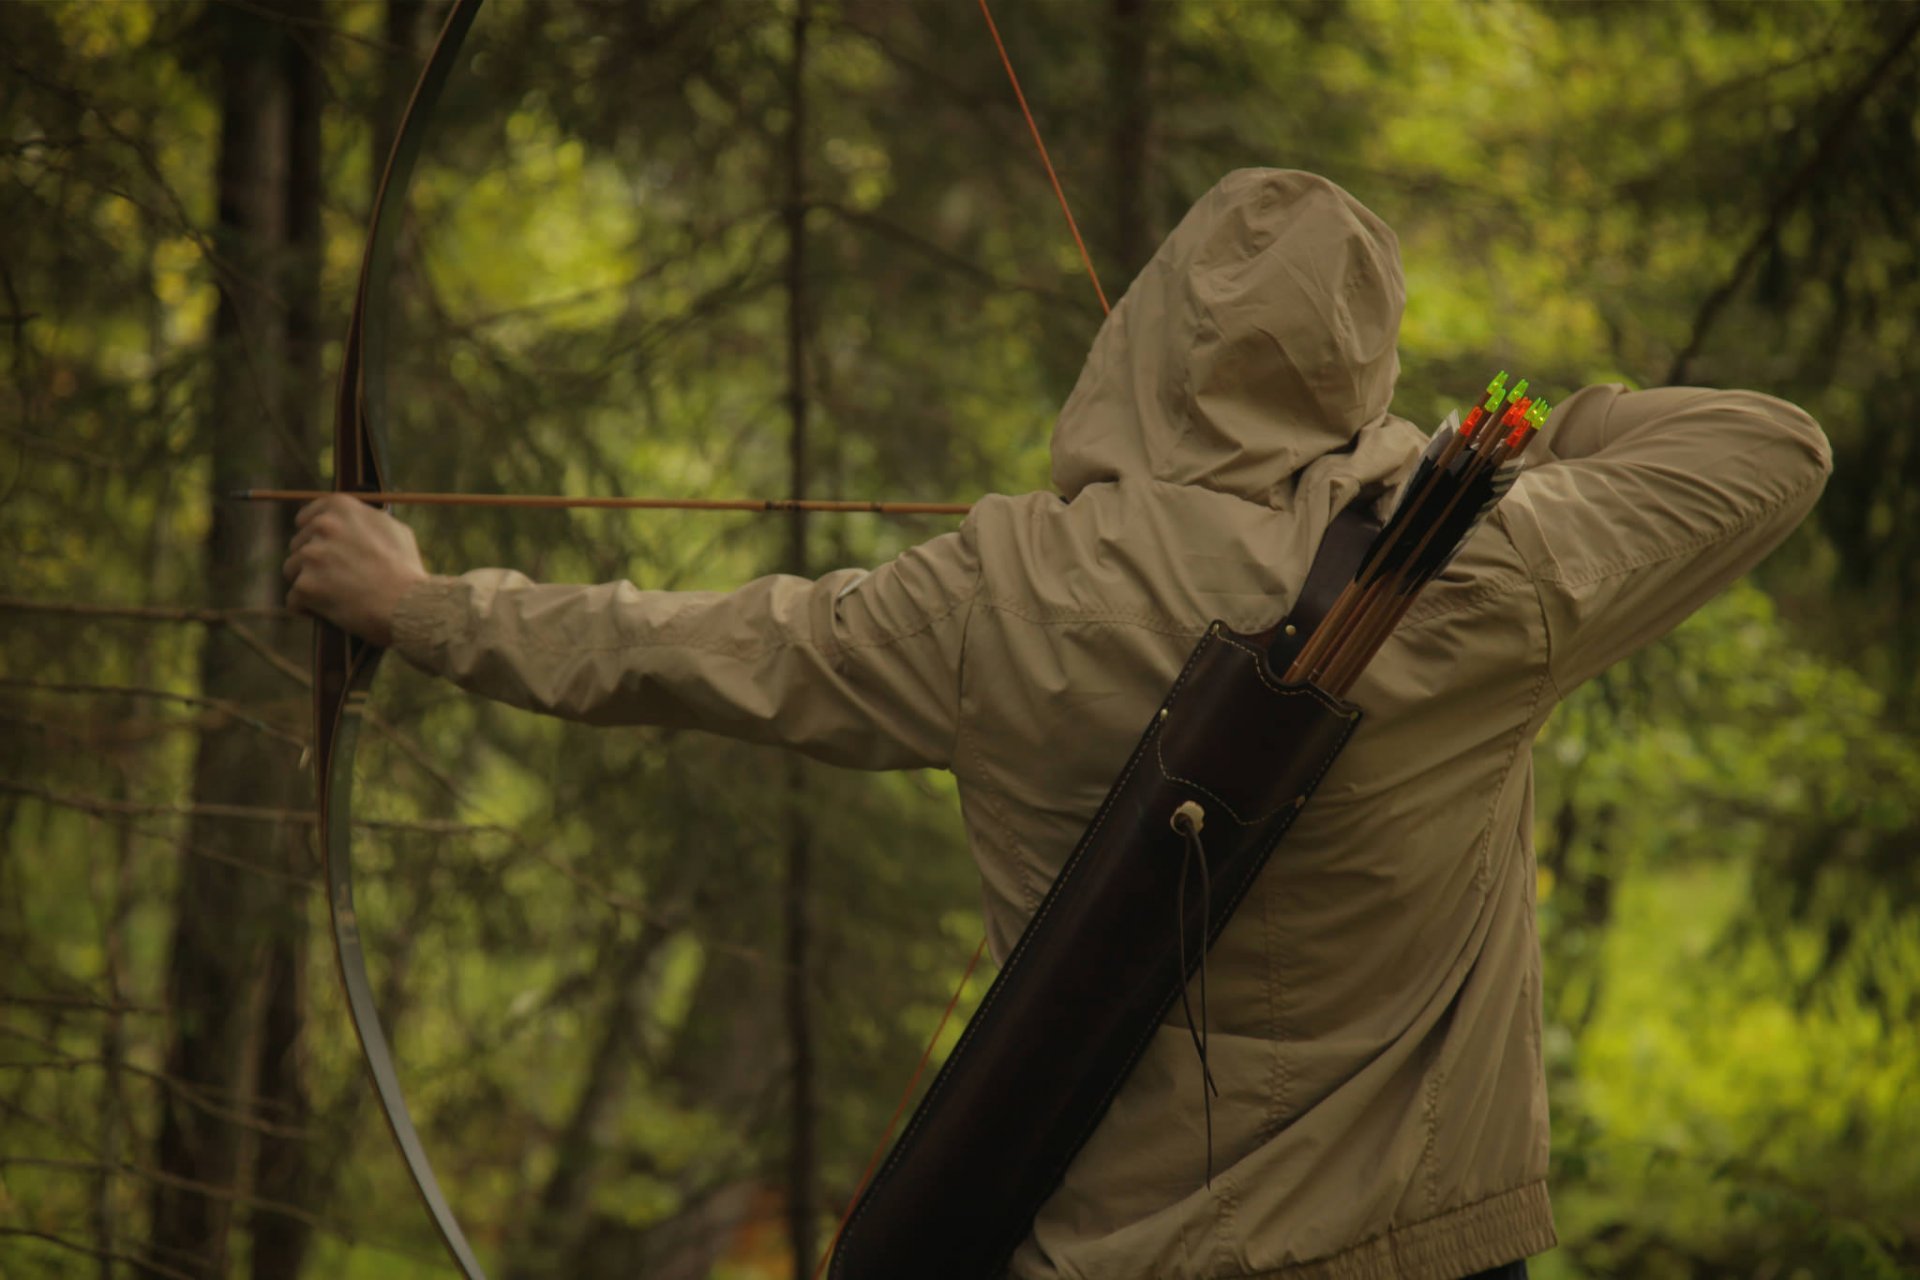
point(1101, 961)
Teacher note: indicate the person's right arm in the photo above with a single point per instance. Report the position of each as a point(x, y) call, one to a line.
point(1649, 503)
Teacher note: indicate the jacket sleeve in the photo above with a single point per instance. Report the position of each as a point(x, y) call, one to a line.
point(856, 668)
point(1648, 504)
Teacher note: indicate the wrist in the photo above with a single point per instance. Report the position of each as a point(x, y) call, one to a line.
point(428, 614)
point(382, 623)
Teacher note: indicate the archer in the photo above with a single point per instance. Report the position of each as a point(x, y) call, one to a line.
point(1375, 1001)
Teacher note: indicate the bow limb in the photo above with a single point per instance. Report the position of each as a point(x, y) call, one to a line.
point(343, 666)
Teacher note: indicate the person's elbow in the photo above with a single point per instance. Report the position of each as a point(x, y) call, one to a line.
point(1773, 455)
point(1809, 450)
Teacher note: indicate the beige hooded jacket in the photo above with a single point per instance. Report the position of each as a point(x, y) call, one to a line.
point(1375, 1003)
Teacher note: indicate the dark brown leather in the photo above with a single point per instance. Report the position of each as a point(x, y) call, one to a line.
point(1099, 964)
point(1341, 551)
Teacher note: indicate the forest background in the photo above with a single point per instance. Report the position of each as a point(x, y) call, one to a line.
point(654, 995)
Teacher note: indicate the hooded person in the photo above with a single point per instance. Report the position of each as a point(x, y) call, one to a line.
point(1375, 1002)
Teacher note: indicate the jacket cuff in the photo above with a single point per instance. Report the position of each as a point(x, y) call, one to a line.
point(428, 619)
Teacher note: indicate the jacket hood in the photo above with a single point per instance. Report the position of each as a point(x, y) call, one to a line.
point(1255, 354)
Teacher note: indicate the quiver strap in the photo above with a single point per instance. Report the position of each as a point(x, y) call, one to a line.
point(1100, 963)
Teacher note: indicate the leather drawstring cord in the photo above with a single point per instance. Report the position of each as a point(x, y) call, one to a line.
point(1188, 819)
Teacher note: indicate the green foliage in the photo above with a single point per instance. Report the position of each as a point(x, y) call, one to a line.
point(592, 299)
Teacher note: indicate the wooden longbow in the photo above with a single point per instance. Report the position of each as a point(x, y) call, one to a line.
point(343, 666)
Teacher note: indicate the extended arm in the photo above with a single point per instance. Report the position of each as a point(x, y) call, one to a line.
point(857, 668)
point(1649, 504)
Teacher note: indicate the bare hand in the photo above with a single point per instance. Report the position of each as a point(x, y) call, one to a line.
point(351, 564)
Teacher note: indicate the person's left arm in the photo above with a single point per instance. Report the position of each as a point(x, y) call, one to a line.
point(856, 668)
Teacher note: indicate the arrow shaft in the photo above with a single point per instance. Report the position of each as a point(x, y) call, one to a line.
point(616, 504)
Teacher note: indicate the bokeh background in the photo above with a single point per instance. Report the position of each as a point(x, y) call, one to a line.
point(655, 995)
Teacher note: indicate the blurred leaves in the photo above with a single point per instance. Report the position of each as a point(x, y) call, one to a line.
point(590, 301)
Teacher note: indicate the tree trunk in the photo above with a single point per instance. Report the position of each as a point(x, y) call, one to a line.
point(285, 1165)
point(559, 1230)
point(223, 917)
point(398, 72)
point(802, 1160)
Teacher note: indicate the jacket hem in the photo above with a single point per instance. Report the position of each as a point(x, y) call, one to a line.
point(1477, 1237)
